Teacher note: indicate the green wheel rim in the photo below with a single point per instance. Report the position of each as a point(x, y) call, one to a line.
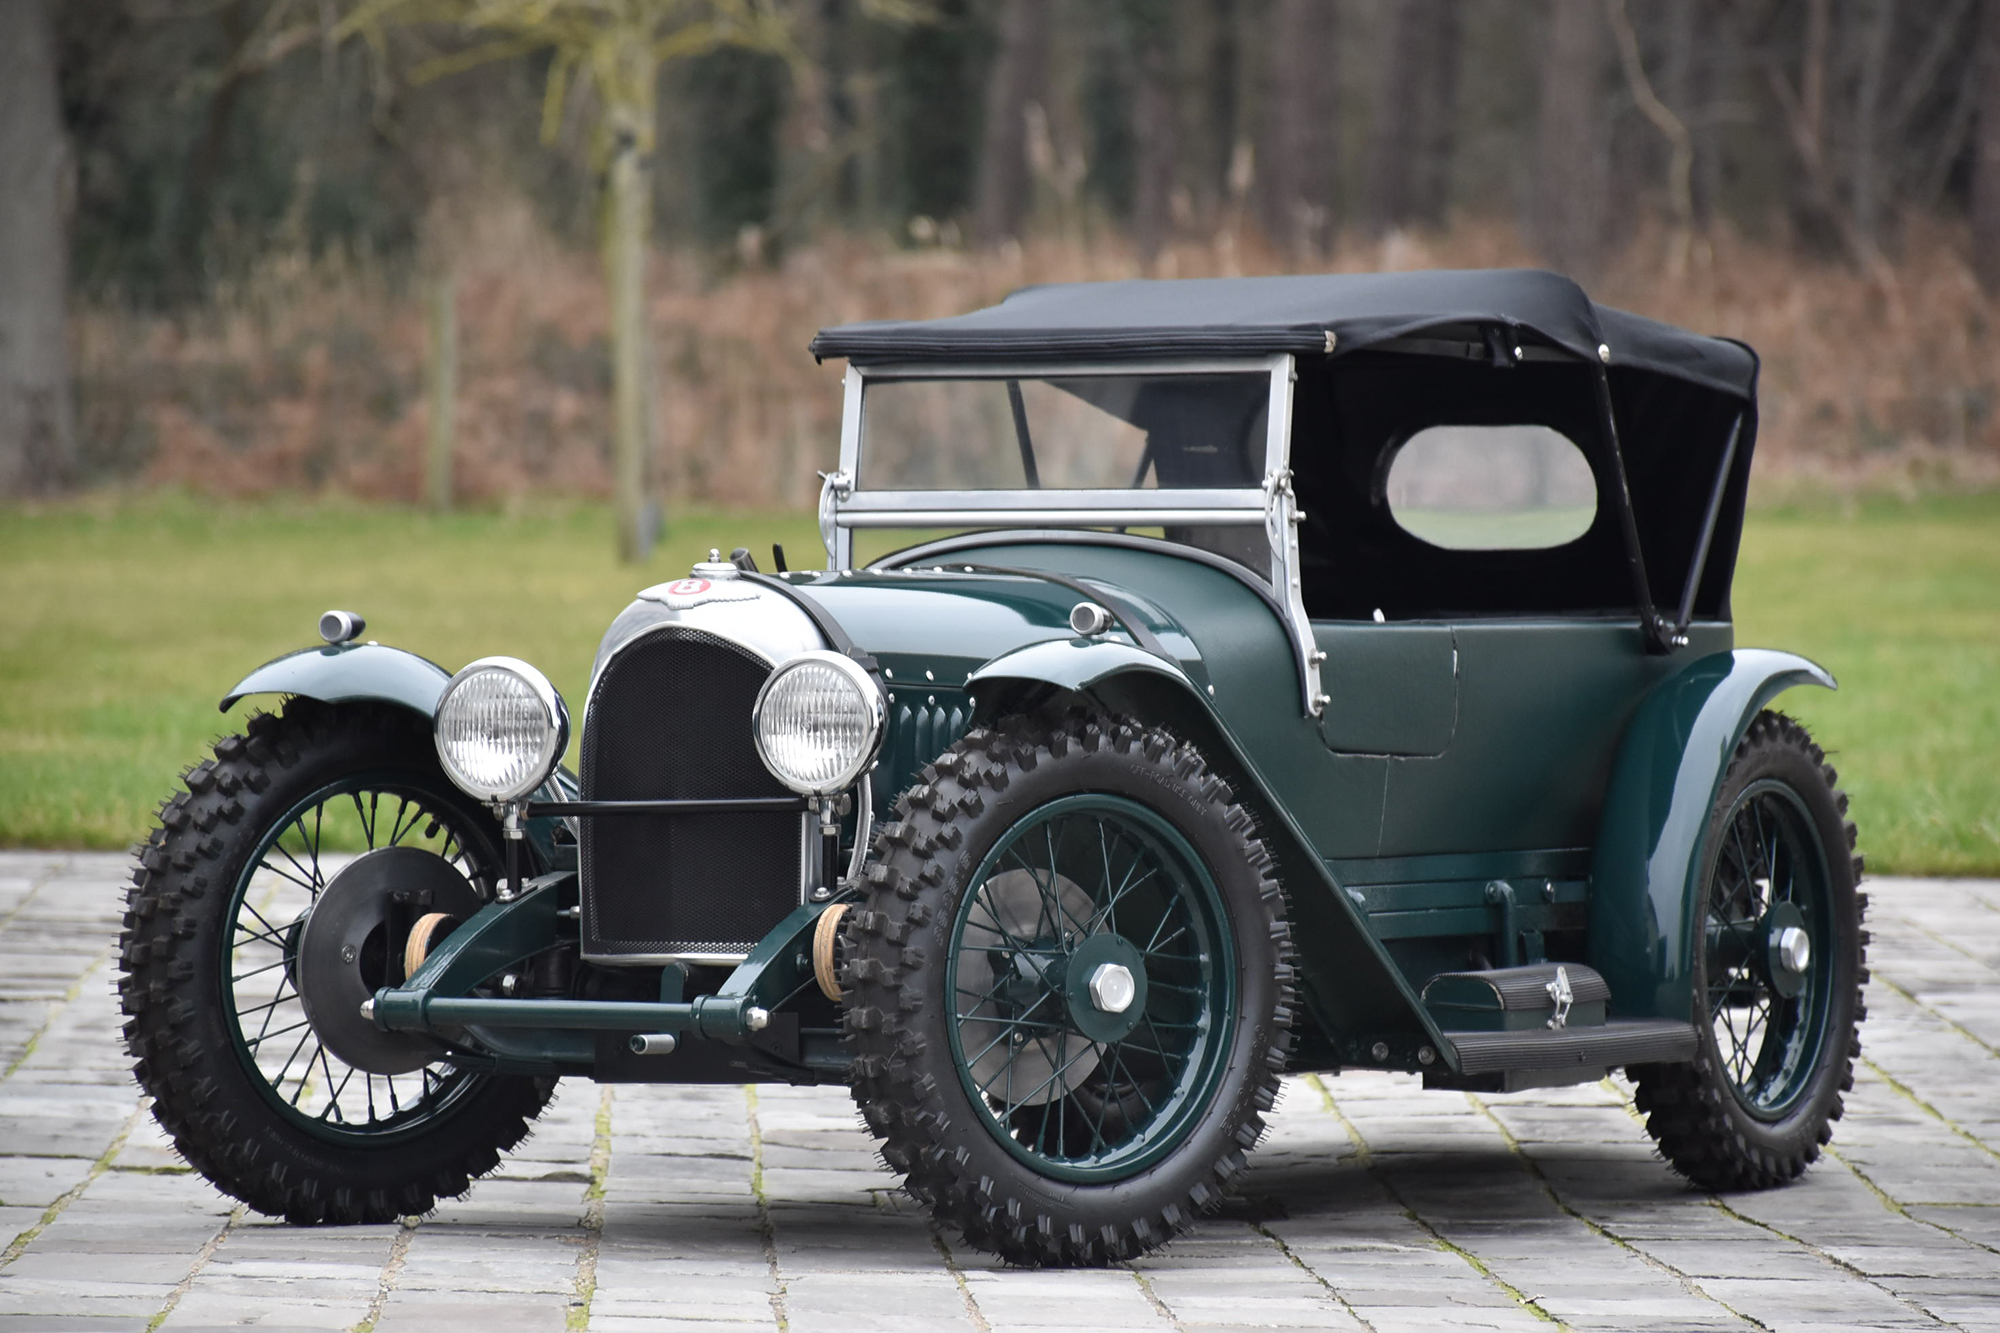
point(266, 1022)
point(1109, 879)
point(1769, 871)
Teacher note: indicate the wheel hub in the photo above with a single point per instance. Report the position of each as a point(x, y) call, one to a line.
point(345, 952)
point(1787, 948)
point(1106, 987)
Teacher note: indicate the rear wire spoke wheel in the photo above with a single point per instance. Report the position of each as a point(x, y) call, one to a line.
point(1778, 967)
point(241, 1078)
point(1069, 988)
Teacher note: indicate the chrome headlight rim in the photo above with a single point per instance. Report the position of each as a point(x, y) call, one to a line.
point(555, 736)
point(870, 692)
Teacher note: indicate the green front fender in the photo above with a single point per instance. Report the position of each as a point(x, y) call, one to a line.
point(357, 672)
point(1077, 665)
point(1352, 988)
point(348, 671)
point(1645, 875)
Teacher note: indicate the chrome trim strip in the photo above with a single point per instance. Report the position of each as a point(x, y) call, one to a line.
point(1054, 501)
point(1088, 518)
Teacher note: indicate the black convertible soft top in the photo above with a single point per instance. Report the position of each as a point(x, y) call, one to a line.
point(1238, 316)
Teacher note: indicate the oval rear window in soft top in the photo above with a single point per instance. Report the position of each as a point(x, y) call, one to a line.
point(1491, 488)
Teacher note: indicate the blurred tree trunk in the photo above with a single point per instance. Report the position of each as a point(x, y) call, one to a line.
point(441, 384)
point(1016, 82)
point(1986, 152)
point(1411, 137)
point(1156, 138)
point(1571, 167)
point(625, 230)
point(1874, 27)
point(37, 430)
point(1297, 160)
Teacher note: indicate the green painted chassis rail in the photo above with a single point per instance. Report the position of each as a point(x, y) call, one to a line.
point(502, 935)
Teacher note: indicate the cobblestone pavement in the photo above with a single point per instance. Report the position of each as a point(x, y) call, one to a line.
point(1370, 1205)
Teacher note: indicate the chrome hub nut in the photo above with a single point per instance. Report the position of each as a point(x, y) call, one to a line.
point(1794, 949)
point(1112, 989)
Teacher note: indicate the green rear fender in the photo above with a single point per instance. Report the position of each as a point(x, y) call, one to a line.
point(1646, 871)
point(1352, 988)
point(348, 671)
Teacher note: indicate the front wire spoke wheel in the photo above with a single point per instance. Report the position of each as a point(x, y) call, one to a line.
point(1092, 1090)
point(1069, 988)
point(285, 875)
point(256, 924)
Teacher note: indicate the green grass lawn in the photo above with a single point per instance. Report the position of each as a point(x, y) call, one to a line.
point(124, 622)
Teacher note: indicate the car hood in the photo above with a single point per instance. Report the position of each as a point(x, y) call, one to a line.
point(951, 620)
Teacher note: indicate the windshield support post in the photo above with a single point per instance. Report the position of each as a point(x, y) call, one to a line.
point(1698, 565)
point(1029, 472)
point(1653, 628)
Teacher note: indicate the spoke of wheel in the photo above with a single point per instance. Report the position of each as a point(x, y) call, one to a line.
point(271, 932)
point(1153, 950)
point(1165, 917)
point(991, 994)
point(263, 1029)
point(361, 813)
point(983, 900)
point(1010, 1022)
point(1160, 1048)
point(260, 1008)
point(1050, 896)
point(1137, 1087)
point(1112, 906)
point(333, 1098)
point(254, 972)
point(279, 1033)
point(318, 837)
point(264, 863)
point(305, 1079)
point(1063, 1038)
point(368, 1085)
point(399, 829)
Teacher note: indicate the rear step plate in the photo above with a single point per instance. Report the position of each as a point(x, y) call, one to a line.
point(1632, 1041)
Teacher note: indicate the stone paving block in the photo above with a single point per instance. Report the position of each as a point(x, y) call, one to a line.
point(428, 1311)
point(71, 1323)
point(639, 1323)
point(1415, 1319)
point(201, 1310)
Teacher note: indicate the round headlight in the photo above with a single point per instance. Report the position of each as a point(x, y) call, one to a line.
point(818, 721)
point(500, 728)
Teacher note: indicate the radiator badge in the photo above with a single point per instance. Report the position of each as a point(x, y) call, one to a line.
point(685, 594)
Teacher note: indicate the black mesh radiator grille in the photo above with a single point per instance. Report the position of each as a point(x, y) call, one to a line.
point(669, 719)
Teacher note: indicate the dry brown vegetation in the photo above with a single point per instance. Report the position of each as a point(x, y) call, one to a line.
point(308, 377)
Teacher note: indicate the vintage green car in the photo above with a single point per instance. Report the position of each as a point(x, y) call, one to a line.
point(1328, 672)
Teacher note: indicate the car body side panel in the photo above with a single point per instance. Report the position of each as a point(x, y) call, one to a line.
point(337, 673)
point(1649, 846)
point(1542, 705)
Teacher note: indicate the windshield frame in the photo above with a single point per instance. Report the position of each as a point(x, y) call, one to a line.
point(845, 506)
point(1052, 507)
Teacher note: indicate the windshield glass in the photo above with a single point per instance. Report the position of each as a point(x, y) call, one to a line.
point(1072, 432)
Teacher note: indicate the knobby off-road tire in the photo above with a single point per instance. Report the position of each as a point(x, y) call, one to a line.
point(1081, 1149)
point(241, 840)
point(1758, 1102)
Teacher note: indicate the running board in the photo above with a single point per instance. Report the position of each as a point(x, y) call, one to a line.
point(1634, 1041)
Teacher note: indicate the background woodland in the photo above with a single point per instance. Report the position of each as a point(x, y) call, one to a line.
point(230, 228)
